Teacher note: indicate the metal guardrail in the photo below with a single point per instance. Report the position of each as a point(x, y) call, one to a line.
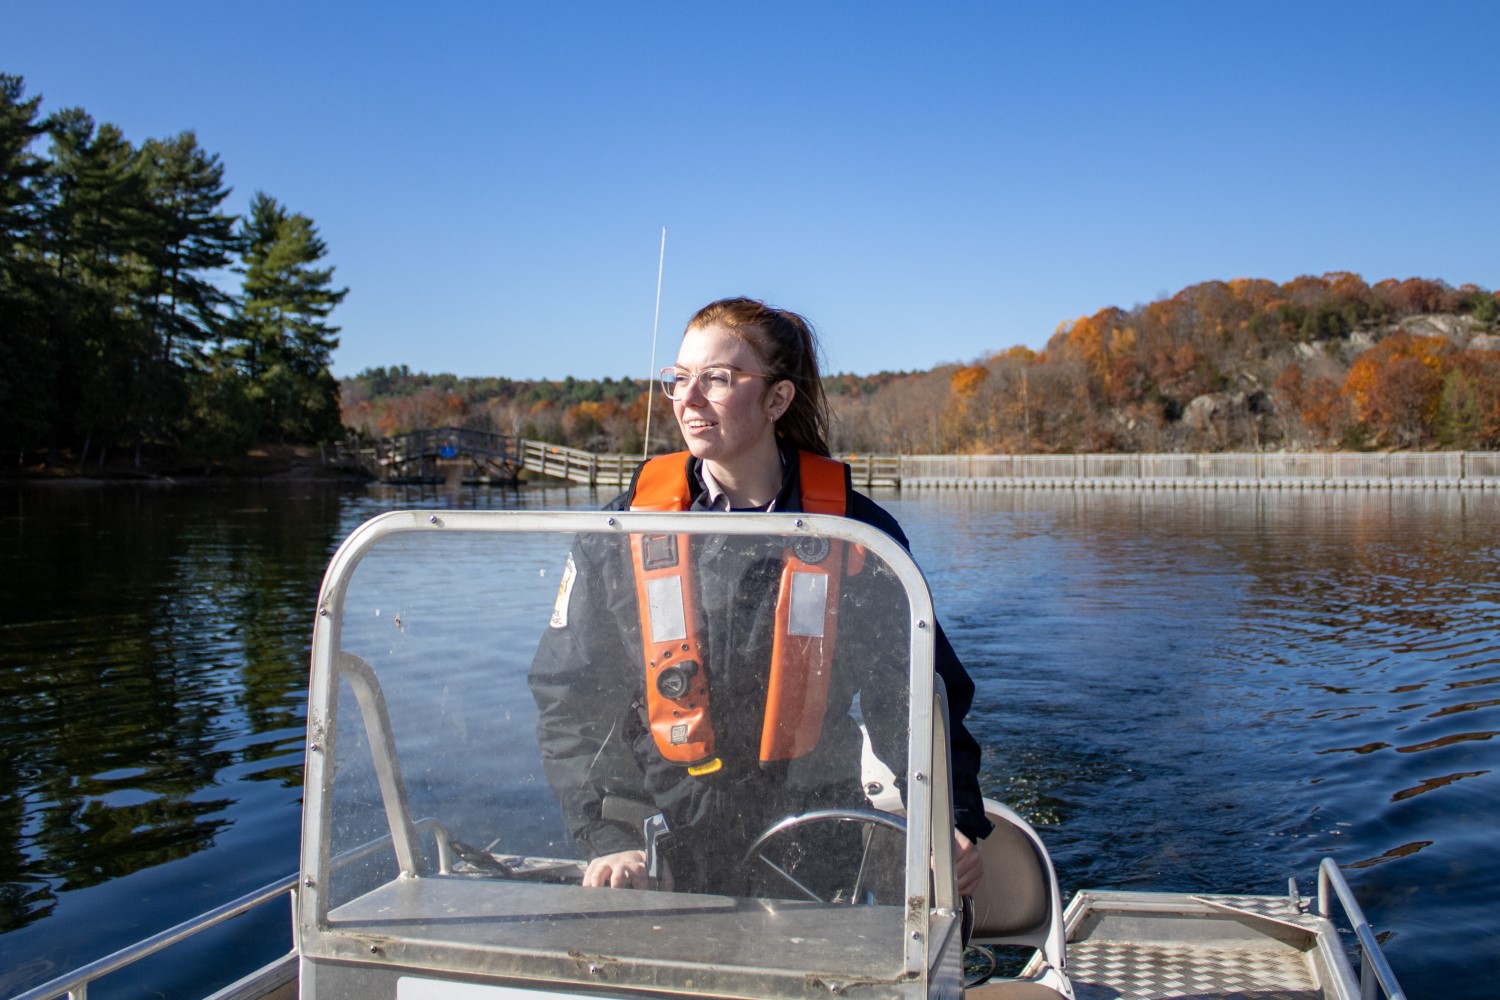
point(1374, 969)
point(75, 984)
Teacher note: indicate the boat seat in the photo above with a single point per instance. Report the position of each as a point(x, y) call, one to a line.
point(1012, 989)
point(1019, 903)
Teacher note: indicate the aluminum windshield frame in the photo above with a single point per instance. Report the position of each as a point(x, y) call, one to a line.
point(319, 937)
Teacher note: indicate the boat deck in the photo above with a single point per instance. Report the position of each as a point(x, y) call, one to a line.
point(1143, 945)
point(1110, 970)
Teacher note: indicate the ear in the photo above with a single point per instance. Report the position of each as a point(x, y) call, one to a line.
point(780, 399)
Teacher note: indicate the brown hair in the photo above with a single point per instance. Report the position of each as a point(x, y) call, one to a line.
point(787, 346)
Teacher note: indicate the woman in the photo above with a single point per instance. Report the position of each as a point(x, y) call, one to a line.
point(748, 398)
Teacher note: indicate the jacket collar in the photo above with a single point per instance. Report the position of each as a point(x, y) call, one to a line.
point(709, 495)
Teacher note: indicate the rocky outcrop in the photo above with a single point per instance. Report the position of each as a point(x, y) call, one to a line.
point(1214, 410)
point(1454, 328)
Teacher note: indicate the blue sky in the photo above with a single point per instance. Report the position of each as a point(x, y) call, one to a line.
point(926, 183)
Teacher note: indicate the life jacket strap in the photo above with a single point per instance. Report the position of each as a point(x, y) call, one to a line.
point(677, 705)
point(806, 627)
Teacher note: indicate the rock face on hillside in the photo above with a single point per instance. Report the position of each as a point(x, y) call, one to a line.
point(1457, 329)
point(1454, 328)
point(1215, 411)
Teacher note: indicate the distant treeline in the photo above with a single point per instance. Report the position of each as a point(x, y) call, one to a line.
point(118, 330)
point(607, 415)
point(1316, 363)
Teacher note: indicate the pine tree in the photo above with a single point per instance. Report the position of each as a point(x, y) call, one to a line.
point(26, 410)
point(189, 237)
point(286, 342)
point(95, 239)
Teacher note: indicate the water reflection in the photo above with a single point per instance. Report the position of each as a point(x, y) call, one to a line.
point(1198, 691)
point(1211, 692)
point(153, 645)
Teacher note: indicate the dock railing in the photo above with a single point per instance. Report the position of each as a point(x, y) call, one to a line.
point(577, 466)
point(497, 458)
point(1210, 470)
point(1205, 470)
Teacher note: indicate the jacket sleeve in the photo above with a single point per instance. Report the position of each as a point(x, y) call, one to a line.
point(581, 679)
point(968, 799)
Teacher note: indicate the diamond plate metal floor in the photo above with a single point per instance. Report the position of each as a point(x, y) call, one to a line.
point(1115, 971)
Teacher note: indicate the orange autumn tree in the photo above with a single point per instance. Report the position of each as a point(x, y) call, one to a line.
point(959, 429)
point(1395, 388)
point(967, 380)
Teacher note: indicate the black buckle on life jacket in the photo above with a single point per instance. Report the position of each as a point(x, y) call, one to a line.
point(658, 551)
point(811, 549)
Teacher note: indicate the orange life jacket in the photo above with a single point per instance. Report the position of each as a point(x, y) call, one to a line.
point(677, 694)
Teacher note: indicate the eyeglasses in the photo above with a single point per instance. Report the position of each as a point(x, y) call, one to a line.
point(714, 382)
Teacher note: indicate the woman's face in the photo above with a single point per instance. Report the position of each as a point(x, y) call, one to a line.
point(740, 426)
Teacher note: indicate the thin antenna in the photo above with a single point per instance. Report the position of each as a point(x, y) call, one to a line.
point(655, 322)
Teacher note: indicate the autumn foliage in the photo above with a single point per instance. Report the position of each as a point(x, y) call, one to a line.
point(1318, 362)
point(608, 416)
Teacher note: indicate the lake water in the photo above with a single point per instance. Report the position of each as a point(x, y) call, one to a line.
point(1194, 691)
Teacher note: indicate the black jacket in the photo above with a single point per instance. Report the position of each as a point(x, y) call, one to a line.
point(587, 679)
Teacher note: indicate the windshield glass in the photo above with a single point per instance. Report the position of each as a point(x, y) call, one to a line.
point(663, 743)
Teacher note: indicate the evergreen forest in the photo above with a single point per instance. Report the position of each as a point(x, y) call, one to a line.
point(1325, 362)
point(137, 315)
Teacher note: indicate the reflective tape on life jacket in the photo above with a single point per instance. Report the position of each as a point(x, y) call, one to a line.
point(806, 627)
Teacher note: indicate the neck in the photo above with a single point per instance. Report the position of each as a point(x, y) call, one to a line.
point(752, 480)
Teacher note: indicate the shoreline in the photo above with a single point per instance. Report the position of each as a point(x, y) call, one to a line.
point(267, 463)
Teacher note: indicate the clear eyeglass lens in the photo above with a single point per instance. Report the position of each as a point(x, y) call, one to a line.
point(712, 382)
point(715, 382)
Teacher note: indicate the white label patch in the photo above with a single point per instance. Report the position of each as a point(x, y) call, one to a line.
point(809, 602)
point(668, 616)
point(564, 594)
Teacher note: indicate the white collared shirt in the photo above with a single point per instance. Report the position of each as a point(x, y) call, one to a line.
point(717, 498)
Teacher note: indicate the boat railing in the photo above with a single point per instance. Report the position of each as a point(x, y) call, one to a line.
point(1374, 969)
point(75, 985)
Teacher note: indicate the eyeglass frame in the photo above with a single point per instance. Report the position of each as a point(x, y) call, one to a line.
point(668, 388)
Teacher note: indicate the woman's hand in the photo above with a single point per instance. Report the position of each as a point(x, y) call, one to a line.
point(623, 870)
point(968, 861)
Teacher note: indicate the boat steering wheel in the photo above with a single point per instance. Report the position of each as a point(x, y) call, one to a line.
point(868, 821)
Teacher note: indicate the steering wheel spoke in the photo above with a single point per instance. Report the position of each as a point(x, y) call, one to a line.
point(783, 846)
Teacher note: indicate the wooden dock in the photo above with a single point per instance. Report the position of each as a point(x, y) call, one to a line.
point(455, 455)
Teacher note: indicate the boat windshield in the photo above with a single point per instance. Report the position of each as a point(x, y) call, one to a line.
point(711, 708)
